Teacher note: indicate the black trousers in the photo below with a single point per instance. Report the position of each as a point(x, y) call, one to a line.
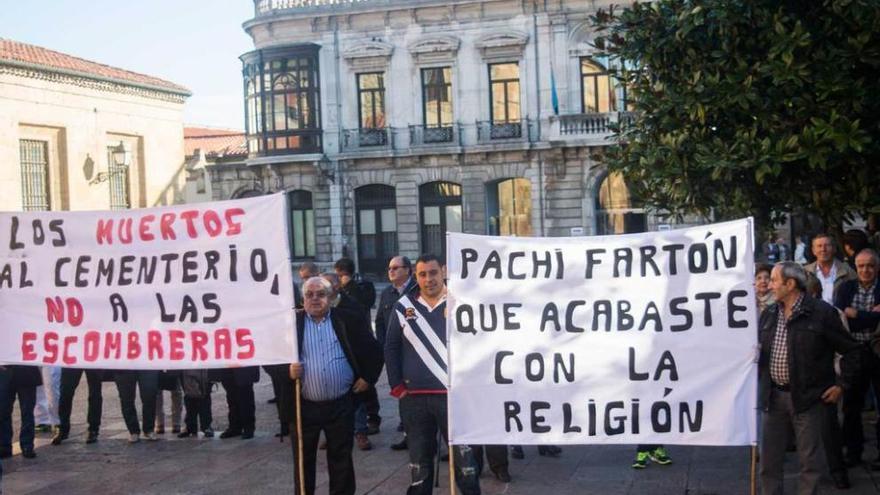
point(198, 410)
point(70, 378)
point(832, 440)
point(278, 375)
point(336, 419)
point(147, 384)
point(27, 399)
point(496, 454)
point(854, 401)
point(240, 400)
point(371, 402)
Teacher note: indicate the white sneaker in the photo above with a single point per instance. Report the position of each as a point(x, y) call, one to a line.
point(134, 438)
point(150, 436)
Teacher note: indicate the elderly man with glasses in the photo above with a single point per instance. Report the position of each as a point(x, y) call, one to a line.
point(338, 357)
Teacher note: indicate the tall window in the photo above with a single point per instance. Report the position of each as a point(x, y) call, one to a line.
point(376, 210)
point(510, 207)
point(34, 175)
point(117, 177)
point(437, 96)
point(617, 210)
point(504, 93)
point(302, 224)
point(371, 100)
point(597, 92)
point(441, 213)
point(282, 100)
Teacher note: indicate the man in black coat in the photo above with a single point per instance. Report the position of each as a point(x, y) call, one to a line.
point(239, 386)
point(22, 382)
point(799, 336)
point(860, 301)
point(325, 336)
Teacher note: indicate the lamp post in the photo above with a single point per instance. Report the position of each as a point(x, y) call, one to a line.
point(120, 157)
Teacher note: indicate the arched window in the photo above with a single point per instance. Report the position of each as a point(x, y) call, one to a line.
point(597, 90)
point(509, 207)
point(617, 211)
point(376, 210)
point(440, 205)
point(302, 224)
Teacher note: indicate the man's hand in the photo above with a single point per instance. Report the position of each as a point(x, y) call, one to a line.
point(876, 309)
point(850, 312)
point(832, 395)
point(296, 371)
point(360, 385)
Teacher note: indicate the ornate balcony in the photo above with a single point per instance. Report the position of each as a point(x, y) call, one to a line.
point(367, 139)
point(588, 126)
point(490, 132)
point(424, 135)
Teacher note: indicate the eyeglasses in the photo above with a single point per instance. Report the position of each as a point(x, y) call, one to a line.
point(319, 294)
point(392, 268)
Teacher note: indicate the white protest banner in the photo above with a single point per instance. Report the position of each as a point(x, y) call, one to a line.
point(191, 286)
point(642, 338)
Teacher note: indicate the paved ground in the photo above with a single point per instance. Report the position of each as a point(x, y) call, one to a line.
point(263, 465)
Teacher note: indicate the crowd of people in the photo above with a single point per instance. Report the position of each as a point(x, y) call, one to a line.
point(818, 366)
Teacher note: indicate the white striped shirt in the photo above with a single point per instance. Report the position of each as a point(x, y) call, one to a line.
point(326, 372)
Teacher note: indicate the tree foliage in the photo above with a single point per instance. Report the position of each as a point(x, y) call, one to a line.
point(749, 107)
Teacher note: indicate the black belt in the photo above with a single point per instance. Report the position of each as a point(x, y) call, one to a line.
point(781, 388)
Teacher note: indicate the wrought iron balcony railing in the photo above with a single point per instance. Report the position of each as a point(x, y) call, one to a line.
point(367, 139)
point(428, 135)
point(488, 132)
point(264, 7)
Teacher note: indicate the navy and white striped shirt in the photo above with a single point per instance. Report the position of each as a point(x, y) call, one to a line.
point(326, 372)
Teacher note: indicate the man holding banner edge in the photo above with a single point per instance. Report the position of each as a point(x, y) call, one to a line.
point(416, 359)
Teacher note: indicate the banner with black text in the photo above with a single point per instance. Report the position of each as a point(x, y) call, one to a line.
point(206, 285)
point(640, 338)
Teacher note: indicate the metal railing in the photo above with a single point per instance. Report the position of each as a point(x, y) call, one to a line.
point(593, 124)
point(488, 131)
point(262, 7)
point(429, 135)
point(367, 139)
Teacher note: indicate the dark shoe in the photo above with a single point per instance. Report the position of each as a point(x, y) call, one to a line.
point(92, 437)
point(549, 450)
point(517, 452)
point(372, 428)
point(362, 441)
point(59, 437)
point(187, 434)
point(175, 430)
point(401, 445)
point(209, 433)
point(502, 475)
point(273, 400)
point(28, 453)
point(247, 435)
point(400, 427)
point(229, 434)
point(43, 428)
point(841, 481)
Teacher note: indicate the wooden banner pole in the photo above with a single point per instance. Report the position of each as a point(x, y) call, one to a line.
point(299, 438)
point(753, 485)
point(451, 469)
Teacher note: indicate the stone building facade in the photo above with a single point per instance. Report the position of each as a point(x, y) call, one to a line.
point(61, 120)
point(390, 122)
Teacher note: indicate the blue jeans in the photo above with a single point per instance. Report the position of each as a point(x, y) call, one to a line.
point(27, 399)
point(423, 416)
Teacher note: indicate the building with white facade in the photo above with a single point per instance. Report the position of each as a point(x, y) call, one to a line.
point(390, 122)
point(78, 135)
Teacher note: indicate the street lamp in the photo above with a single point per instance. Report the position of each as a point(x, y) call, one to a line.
point(120, 155)
point(325, 168)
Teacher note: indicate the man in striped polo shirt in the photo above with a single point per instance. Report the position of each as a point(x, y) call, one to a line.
point(415, 354)
point(338, 357)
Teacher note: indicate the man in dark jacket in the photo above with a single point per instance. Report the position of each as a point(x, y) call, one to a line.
point(860, 301)
point(415, 353)
point(799, 336)
point(353, 285)
point(21, 382)
point(338, 357)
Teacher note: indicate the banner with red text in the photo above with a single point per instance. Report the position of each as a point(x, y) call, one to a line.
point(633, 339)
point(206, 285)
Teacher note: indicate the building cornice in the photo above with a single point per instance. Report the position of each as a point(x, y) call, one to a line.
point(91, 81)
